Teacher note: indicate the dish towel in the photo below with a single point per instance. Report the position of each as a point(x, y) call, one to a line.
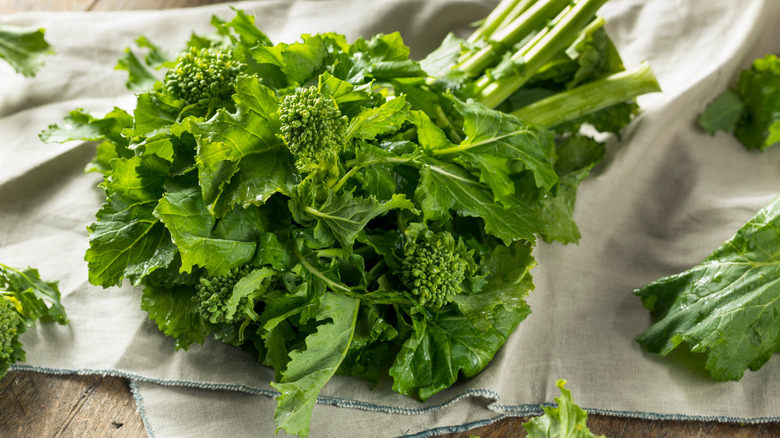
point(664, 198)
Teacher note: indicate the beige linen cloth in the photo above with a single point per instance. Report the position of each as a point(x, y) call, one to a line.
point(664, 198)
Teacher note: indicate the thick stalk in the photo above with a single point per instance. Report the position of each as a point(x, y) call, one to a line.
point(590, 97)
point(534, 57)
point(494, 19)
point(516, 12)
point(533, 19)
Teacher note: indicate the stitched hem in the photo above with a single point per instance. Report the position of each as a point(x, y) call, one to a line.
point(139, 407)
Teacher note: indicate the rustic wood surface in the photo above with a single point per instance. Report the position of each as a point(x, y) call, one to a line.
point(42, 405)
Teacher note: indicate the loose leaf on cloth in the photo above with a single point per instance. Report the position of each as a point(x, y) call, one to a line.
point(23, 48)
point(24, 299)
point(565, 421)
point(752, 111)
point(727, 306)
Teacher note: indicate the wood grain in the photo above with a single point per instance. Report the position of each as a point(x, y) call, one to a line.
point(45, 405)
point(41, 405)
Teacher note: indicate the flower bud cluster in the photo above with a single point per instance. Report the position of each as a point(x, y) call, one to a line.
point(202, 75)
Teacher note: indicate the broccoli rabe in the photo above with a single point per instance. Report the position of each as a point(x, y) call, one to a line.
point(11, 326)
point(312, 127)
point(213, 293)
point(203, 75)
point(434, 268)
point(24, 299)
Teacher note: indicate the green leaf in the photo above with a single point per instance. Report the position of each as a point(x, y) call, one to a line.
point(495, 143)
point(566, 421)
point(272, 252)
point(441, 349)
point(176, 314)
point(245, 288)
point(759, 89)
point(156, 56)
point(12, 324)
point(154, 111)
point(201, 239)
point(23, 48)
point(160, 144)
point(596, 57)
point(345, 215)
point(577, 155)
point(126, 241)
point(726, 306)
point(139, 78)
point(381, 120)
point(305, 60)
point(24, 299)
point(39, 299)
point(441, 60)
point(446, 186)
point(490, 132)
point(387, 47)
point(138, 179)
point(240, 159)
point(429, 135)
point(310, 369)
point(81, 125)
point(248, 33)
point(384, 57)
point(723, 113)
point(507, 283)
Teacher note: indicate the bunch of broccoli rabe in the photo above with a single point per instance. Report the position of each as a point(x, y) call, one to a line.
point(339, 208)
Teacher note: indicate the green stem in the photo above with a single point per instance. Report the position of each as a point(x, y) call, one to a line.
point(590, 97)
point(335, 287)
point(465, 147)
point(540, 51)
point(354, 166)
point(533, 19)
point(331, 253)
point(344, 178)
point(503, 13)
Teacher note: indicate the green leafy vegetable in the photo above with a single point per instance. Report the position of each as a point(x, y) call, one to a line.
point(336, 207)
point(752, 111)
point(566, 421)
point(725, 307)
point(24, 299)
point(25, 49)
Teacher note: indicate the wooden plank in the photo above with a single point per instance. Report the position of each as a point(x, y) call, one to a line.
point(46, 405)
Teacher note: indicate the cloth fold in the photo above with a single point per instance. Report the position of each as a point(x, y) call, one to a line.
point(665, 197)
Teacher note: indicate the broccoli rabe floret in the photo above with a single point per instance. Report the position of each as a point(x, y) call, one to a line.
point(435, 267)
point(312, 127)
point(213, 293)
point(203, 75)
point(11, 325)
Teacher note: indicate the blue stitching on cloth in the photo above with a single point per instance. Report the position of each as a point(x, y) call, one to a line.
point(139, 405)
point(335, 401)
point(504, 411)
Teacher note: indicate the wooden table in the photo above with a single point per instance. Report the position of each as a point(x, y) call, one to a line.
point(42, 405)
